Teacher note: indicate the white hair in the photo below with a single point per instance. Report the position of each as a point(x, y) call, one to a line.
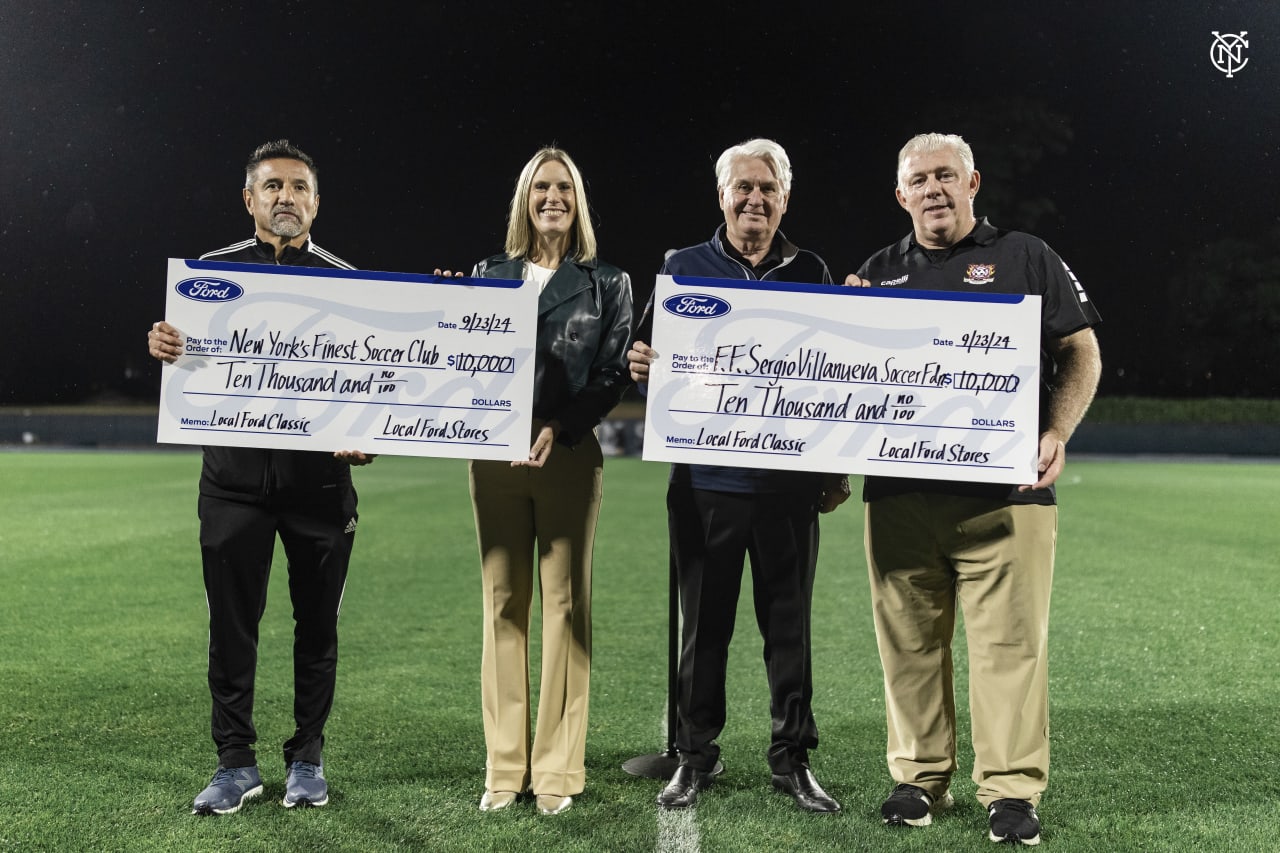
point(763, 149)
point(926, 143)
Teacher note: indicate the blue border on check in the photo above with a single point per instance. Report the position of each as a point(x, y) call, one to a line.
point(363, 275)
point(844, 290)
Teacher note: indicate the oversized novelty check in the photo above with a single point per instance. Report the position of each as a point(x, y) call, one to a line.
point(806, 377)
point(321, 359)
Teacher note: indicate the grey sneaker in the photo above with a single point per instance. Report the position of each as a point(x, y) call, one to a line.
point(1015, 821)
point(228, 790)
point(910, 805)
point(305, 785)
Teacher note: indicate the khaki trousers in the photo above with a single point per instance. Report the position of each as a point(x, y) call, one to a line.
point(553, 509)
point(926, 553)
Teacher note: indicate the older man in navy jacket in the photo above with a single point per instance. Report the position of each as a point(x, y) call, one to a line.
point(718, 516)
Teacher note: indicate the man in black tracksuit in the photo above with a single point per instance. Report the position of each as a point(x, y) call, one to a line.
point(248, 496)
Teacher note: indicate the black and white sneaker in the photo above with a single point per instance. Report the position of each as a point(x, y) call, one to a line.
point(1014, 821)
point(910, 805)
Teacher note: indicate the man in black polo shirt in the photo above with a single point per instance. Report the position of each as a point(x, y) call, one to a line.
point(717, 516)
point(988, 548)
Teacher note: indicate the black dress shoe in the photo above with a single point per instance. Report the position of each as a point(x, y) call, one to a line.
point(806, 791)
point(682, 791)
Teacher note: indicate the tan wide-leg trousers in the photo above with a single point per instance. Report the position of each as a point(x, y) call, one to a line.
point(553, 508)
point(925, 554)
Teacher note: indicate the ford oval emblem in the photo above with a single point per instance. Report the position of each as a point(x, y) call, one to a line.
point(696, 305)
point(209, 289)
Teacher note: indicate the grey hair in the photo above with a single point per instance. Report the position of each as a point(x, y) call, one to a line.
point(764, 149)
point(926, 143)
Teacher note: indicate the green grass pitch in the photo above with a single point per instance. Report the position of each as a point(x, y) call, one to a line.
point(1165, 644)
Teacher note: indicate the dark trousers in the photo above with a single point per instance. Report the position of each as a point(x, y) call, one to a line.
point(236, 543)
point(711, 534)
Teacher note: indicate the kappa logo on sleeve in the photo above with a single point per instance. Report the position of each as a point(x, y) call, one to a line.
point(980, 274)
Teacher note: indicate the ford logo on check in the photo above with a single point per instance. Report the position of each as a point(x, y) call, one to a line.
point(209, 289)
point(698, 305)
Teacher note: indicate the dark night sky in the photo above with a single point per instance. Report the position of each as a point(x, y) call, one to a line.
point(125, 127)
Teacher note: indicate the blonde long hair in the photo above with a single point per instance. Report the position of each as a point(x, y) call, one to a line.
point(520, 233)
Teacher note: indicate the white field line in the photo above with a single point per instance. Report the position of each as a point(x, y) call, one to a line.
point(677, 828)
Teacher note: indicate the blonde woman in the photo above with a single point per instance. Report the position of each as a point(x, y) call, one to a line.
point(547, 505)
